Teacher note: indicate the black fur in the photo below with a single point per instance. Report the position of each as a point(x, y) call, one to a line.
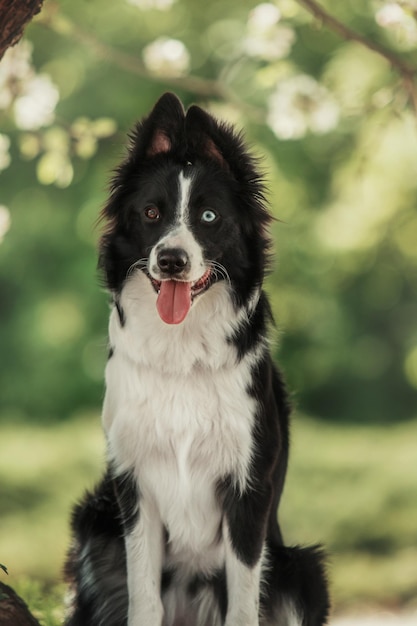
point(241, 234)
point(224, 175)
point(98, 547)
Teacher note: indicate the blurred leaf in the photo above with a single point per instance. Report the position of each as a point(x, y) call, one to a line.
point(342, 183)
point(54, 167)
point(30, 145)
point(104, 127)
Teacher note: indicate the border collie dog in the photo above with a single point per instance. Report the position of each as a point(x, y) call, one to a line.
point(182, 530)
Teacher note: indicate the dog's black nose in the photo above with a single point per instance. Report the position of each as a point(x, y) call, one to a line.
point(173, 261)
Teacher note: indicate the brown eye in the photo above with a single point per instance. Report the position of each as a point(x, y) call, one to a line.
point(152, 213)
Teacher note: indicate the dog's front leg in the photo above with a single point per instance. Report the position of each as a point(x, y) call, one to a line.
point(243, 584)
point(144, 544)
point(244, 533)
point(144, 548)
point(242, 587)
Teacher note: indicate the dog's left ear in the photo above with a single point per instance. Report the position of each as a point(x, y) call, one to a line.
point(166, 121)
point(162, 129)
point(160, 143)
point(203, 135)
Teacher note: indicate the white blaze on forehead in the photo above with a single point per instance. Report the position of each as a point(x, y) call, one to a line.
point(185, 184)
point(181, 235)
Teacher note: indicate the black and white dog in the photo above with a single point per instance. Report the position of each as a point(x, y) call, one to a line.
point(182, 530)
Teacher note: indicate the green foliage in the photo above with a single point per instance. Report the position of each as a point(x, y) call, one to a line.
point(43, 471)
point(333, 124)
point(351, 487)
point(44, 601)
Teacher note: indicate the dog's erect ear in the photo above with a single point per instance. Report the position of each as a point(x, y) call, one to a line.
point(160, 143)
point(202, 134)
point(163, 125)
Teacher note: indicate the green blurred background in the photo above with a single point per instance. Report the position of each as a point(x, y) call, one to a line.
point(334, 125)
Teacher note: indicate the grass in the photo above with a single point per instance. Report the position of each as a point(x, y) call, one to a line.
point(351, 488)
point(43, 470)
point(354, 489)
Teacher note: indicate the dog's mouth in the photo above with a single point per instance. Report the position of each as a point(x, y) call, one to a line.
point(175, 297)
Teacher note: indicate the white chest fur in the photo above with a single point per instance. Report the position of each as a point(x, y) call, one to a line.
point(181, 418)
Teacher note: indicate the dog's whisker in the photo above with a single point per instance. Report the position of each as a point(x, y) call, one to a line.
point(220, 271)
point(137, 265)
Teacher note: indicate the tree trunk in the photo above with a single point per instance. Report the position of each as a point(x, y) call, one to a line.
point(14, 15)
point(13, 611)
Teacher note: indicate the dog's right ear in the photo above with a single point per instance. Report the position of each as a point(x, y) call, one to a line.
point(161, 130)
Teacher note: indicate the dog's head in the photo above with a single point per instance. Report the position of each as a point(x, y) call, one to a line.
point(187, 209)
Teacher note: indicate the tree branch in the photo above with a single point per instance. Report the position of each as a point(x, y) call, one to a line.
point(14, 15)
point(201, 87)
point(13, 610)
point(130, 63)
point(407, 72)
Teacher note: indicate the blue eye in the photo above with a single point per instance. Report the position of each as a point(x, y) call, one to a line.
point(208, 216)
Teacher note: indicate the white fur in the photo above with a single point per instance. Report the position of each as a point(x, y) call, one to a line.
point(144, 546)
point(175, 349)
point(288, 615)
point(177, 412)
point(293, 616)
point(185, 183)
point(181, 419)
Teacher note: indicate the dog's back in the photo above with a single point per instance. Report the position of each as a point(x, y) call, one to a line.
point(183, 531)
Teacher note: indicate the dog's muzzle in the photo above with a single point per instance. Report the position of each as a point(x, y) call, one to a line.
point(175, 292)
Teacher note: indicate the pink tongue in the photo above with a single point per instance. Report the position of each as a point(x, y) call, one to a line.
point(174, 301)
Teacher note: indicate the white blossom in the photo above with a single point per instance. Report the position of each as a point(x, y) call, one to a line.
point(55, 168)
point(263, 16)
point(300, 104)
point(15, 68)
point(265, 37)
point(35, 107)
point(399, 18)
point(32, 97)
point(166, 57)
point(5, 221)
point(5, 158)
point(390, 14)
point(160, 5)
